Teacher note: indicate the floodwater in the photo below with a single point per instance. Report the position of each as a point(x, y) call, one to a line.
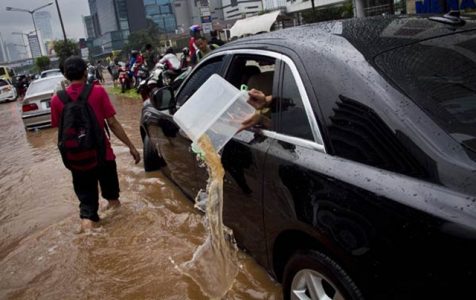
point(136, 251)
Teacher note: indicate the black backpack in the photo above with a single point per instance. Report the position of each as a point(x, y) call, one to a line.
point(81, 141)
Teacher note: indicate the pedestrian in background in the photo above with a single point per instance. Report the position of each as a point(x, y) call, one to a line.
point(85, 183)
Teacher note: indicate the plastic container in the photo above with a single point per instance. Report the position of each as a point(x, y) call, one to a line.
point(217, 109)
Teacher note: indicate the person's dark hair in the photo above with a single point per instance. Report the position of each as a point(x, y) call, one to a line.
point(214, 33)
point(74, 68)
point(170, 50)
point(148, 47)
point(202, 38)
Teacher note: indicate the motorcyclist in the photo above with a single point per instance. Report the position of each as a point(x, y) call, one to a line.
point(195, 31)
point(172, 65)
point(185, 60)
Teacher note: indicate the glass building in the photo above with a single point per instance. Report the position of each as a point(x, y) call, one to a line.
point(161, 13)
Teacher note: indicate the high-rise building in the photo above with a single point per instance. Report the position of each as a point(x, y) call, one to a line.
point(161, 12)
point(237, 9)
point(43, 23)
point(13, 52)
point(269, 5)
point(187, 12)
point(112, 21)
point(89, 27)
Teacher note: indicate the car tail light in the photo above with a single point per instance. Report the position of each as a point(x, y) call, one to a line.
point(29, 107)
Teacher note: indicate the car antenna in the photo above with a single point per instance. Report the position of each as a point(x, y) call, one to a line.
point(451, 18)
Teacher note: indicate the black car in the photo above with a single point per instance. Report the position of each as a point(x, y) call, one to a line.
point(363, 185)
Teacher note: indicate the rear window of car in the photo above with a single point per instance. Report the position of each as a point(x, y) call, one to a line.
point(3, 82)
point(43, 86)
point(439, 75)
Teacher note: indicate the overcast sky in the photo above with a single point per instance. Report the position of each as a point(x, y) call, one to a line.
point(71, 12)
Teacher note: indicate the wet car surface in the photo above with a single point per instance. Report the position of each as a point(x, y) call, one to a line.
point(362, 184)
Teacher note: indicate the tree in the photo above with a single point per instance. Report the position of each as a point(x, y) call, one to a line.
point(42, 63)
point(64, 50)
point(137, 40)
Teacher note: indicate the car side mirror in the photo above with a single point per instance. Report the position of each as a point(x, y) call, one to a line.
point(163, 98)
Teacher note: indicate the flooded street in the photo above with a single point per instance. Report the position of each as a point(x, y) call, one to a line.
point(133, 255)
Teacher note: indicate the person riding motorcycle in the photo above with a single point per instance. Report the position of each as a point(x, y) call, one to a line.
point(195, 31)
point(185, 61)
point(172, 65)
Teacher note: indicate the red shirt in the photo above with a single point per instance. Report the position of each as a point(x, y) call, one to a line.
point(100, 103)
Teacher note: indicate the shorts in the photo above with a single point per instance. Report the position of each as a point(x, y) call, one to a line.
point(86, 188)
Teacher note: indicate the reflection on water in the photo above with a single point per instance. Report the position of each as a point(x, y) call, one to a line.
point(127, 257)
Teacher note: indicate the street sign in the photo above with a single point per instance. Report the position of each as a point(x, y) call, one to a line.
point(206, 19)
point(207, 27)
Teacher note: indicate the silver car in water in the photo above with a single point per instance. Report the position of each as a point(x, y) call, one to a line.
point(36, 111)
point(7, 91)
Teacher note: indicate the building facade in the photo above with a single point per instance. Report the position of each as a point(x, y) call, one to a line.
point(111, 22)
point(270, 5)
point(161, 12)
point(238, 9)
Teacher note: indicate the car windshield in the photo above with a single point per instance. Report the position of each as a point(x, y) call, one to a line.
point(439, 75)
point(43, 86)
point(50, 73)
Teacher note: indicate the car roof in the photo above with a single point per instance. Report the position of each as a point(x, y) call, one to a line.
point(50, 70)
point(370, 36)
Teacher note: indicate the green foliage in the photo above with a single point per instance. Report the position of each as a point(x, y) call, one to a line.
point(137, 40)
point(330, 13)
point(42, 63)
point(131, 93)
point(64, 50)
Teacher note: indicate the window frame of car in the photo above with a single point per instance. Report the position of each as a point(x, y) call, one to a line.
point(318, 143)
point(206, 61)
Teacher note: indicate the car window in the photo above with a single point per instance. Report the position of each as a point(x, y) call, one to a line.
point(201, 75)
point(254, 72)
point(3, 82)
point(43, 86)
point(444, 88)
point(293, 118)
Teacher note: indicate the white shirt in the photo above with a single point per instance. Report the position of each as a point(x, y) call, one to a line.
point(172, 61)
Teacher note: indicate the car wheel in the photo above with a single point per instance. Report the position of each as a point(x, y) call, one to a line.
point(152, 160)
point(313, 275)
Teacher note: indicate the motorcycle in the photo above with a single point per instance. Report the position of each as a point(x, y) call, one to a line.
point(92, 79)
point(158, 79)
point(124, 78)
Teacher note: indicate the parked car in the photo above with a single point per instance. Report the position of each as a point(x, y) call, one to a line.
point(364, 184)
point(36, 111)
point(7, 91)
point(51, 72)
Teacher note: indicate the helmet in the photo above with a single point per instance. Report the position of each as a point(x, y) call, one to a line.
point(195, 28)
point(185, 51)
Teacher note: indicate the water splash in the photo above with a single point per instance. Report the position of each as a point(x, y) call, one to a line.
point(214, 264)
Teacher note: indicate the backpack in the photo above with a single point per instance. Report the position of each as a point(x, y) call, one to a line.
point(81, 141)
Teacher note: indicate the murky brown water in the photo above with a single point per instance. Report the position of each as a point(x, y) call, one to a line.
point(129, 257)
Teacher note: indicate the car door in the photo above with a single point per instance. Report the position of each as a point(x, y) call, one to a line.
point(243, 156)
point(288, 187)
point(175, 146)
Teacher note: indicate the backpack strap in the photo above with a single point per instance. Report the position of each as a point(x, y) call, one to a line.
point(63, 96)
point(85, 92)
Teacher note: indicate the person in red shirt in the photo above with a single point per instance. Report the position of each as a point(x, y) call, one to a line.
point(86, 182)
point(194, 35)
